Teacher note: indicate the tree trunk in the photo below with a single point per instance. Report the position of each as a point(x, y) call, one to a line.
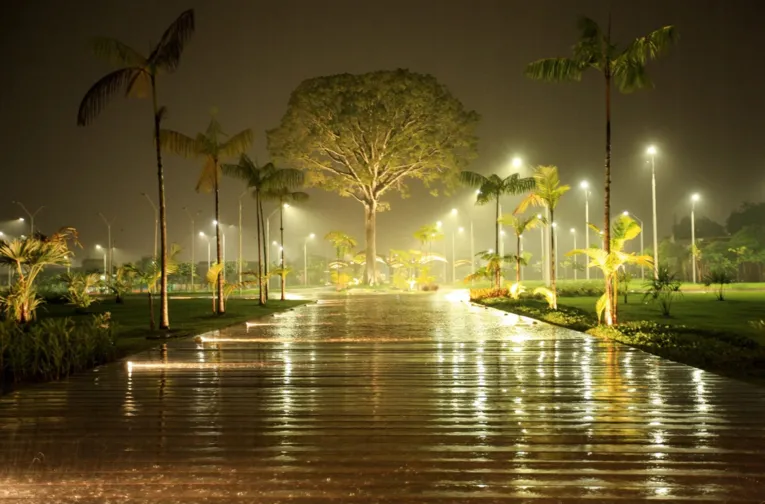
point(265, 249)
point(610, 311)
point(219, 249)
point(553, 260)
point(283, 277)
point(164, 316)
point(151, 312)
point(517, 258)
point(370, 221)
point(261, 292)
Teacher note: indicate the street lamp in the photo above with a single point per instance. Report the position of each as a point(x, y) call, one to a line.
point(694, 198)
point(517, 162)
point(586, 188)
point(99, 247)
point(576, 259)
point(31, 217)
point(109, 244)
point(156, 222)
point(193, 233)
point(642, 246)
point(652, 152)
point(555, 245)
point(202, 235)
point(305, 257)
point(542, 263)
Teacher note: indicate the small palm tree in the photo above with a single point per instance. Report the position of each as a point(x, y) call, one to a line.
point(28, 257)
point(150, 274)
point(611, 261)
point(520, 225)
point(494, 187)
point(284, 196)
point(623, 66)
point(137, 76)
point(547, 192)
point(343, 244)
point(212, 148)
point(493, 268)
point(258, 180)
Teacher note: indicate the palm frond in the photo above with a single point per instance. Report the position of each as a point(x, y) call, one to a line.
point(555, 70)
point(178, 143)
point(514, 184)
point(299, 196)
point(236, 144)
point(139, 86)
point(284, 177)
point(208, 177)
point(117, 53)
point(244, 170)
point(600, 306)
point(168, 52)
point(472, 179)
point(101, 92)
point(651, 46)
point(630, 75)
point(529, 200)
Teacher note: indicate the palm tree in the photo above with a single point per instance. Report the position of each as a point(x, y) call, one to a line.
point(259, 179)
point(547, 192)
point(342, 243)
point(612, 260)
point(213, 149)
point(623, 66)
point(493, 268)
point(520, 225)
point(284, 196)
point(494, 187)
point(427, 234)
point(150, 274)
point(137, 76)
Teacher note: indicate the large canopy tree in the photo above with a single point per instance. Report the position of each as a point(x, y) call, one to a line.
point(624, 66)
point(137, 76)
point(367, 135)
point(212, 146)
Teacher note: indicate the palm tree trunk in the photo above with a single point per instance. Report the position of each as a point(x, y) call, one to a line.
point(151, 312)
point(219, 249)
point(265, 249)
point(610, 312)
point(281, 249)
point(517, 258)
point(553, 259)
point(261, 300)
point(164, 315)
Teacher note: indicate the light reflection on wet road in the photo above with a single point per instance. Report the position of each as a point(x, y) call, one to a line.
point(387, 399)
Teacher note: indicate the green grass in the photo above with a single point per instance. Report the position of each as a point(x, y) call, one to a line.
point(636, 284)
point(699, 310)
point(189, 315)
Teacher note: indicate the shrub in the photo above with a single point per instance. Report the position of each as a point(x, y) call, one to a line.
point(479, 294)
point(54, 348)
point(663, 290)
point(720, 278)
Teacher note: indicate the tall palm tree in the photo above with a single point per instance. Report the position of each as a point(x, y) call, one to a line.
point(137, 76)
point(213, 146)
point(623, 66)
point(283, 195)
point(547, 192)
point(494, 187)
point(520, 225)
point(259, 179)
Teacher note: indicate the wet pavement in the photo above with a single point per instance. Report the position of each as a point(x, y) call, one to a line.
point(387, 398)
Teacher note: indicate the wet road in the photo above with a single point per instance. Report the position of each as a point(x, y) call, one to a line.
point(387, 399)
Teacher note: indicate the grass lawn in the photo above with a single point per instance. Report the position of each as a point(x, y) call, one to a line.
point(699, 310)
point(189, 315)
point(636, 284)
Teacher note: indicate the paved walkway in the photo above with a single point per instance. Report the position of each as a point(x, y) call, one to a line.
point(387, 399)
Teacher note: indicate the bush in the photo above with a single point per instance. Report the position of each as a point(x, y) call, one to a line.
point(663, 290)
point(584, 290)
point(479, 294)
point(54, 348)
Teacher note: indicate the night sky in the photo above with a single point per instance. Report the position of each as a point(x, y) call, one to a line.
point(247, 56)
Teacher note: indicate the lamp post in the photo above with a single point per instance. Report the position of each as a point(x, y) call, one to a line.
point(31, 217)
point(652, 152)
point(576, 259)
point(156, 222)
point(642, 246)
point(268, 238)
point(586, 188)
point(541, 249)
point(109, 244)
point(555, 247)
point(305, 257)
point(99, 247)
point(454, 265)
point(193, 243)
point(472, 249)
point(694, 199)
point(201, 234)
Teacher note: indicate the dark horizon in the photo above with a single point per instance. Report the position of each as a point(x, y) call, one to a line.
point(246, 58)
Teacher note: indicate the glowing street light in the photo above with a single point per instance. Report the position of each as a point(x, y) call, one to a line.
point(517, 162)
point(642, 246)
point(586, 188)
point(99, 247)
point(694, 198)
point(31, 217)
point(652, 152)
point(305, 257)
point(109, 244)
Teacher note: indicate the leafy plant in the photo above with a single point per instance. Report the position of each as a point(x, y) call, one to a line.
point(123, 282)
point(137, 76)
point(78, 288)
point(520, 225)
point(343, 244)
point(516, 290)
point(481, 294)
point(624, 278)
point(720, 278)
point(149, 274)
point(663, 290)
point(548, 295)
